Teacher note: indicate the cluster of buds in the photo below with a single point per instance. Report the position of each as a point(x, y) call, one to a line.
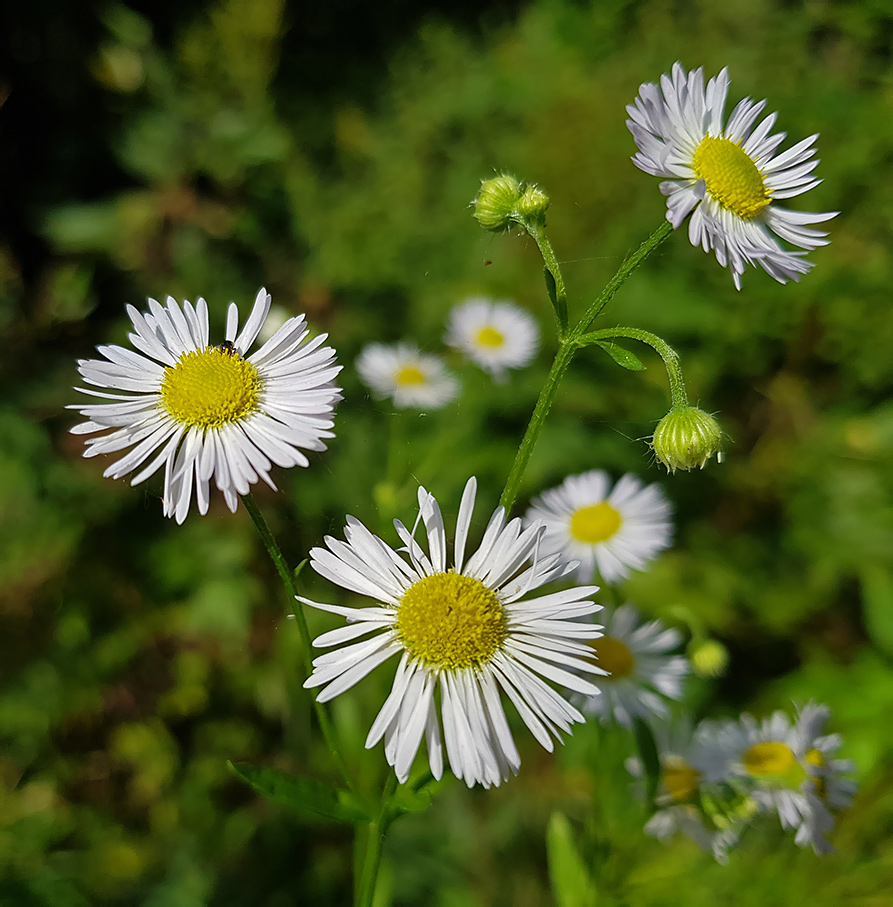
point(503, 201)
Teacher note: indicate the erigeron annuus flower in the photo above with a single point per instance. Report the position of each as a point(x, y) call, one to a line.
point(468, 630)
point(615, 529)
point(494, 334)
point(406, 375)
point(208, 411)
point(726, 173)
point(788, 769)
point(642, 672)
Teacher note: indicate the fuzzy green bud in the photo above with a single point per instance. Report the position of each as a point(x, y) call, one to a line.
point(709, 657)
point(533, 203)
point(495, 205)
point(686, 437)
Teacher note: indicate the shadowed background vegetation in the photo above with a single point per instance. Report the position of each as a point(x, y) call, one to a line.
point(330, 155)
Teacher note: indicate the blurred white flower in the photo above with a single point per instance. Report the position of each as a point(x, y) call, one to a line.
point(410, 378)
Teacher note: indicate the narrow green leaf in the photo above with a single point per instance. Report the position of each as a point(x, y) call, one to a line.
point(650, 758)
point(621, 355)
point(305, 794)
point(300, 567)
point(551, 288)
point(572, 885)
point(877, 599)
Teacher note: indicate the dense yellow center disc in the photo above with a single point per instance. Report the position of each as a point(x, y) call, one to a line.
point(680, 779)
point(450, 621)
point(614, 656)
point(772, 759)
point(410, 375)
point(731, 177)
point(210, 387)
point(815, 757)
point(490, 337)
point(595, 524)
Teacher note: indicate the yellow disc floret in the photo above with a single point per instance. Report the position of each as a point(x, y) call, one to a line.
point(490, 337)
point(410, 374)
point(596, 523)
point(771, 760)
point(210, 387)
point(449, 622)
point(731, 177)
point(613, 655)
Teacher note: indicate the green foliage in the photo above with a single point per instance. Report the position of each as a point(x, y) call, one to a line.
point(138, 657)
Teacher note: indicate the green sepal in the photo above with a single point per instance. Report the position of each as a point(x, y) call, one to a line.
point(572, 885)
point(621, 355)
point(304, 794)
point(650, 757)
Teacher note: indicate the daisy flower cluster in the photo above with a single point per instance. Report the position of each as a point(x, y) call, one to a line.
point(721, 778)
point(496, 335)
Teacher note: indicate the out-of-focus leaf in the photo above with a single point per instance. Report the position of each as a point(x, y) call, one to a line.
point(650, 758)
point(877, 596)
point(572, 885)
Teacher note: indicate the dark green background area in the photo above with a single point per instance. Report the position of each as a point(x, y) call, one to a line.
point(330, 155)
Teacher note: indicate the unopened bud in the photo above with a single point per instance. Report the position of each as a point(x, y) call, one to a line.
point(686, 437)
point(533, 203)
point(708, 657)
point(497, 201)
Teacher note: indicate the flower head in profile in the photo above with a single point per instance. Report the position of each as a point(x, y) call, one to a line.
point(495, 335)
point(465, 632)
point(615, 529)
point(726, 174)
point(411, 379)
point(790, 769)
point(641, 670)
point(206, 411)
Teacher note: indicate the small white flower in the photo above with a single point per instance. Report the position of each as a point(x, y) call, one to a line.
point(641, 672)
point(470, 630)
point(726, 174)
point(494, 334)
point(209, 411)
point(406, 375)
point(614, 529)
point(787, 768)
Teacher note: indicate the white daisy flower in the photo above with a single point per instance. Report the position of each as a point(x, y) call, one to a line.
point(205, 411)
point(690, 763)
point(641, 672)
point(726, 174)
point(406, 375)
point(614, 529)
point(785, 765)
point(469, 630)
point(494, 334)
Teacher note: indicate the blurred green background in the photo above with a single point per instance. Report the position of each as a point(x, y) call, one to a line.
point(329, 153)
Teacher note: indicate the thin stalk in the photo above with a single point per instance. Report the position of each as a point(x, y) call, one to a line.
point(370, 839)
point(538, 231)
point(288, 580)
point(678, 396)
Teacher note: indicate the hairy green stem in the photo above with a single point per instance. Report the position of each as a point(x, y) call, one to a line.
point(538, 231)
point(368, 843)
point(678, 396)
point(288, 580)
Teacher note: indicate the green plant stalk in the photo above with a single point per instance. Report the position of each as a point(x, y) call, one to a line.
point(538, 231)
point(368, 842)
point(678, 396)
point(623, 272)
point(291, 589)
point(569, 344)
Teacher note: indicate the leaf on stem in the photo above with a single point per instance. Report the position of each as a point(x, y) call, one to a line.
point(621, 356)
point(305, 794)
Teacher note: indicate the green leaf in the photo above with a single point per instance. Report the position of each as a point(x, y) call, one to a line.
point(572, 885)
point(305, 794)
point(551, 288)
point(407, 800)
point(649, 756)
point(877, 597)
point(299, 569)
point(621, 355)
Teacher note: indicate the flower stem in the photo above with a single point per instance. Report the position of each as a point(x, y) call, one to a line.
point(537, 230)
point(369, 839)
point(288, 580)
point(678, 396)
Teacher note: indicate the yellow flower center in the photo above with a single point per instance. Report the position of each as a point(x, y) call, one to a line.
point(679, 778)
point(490, 337)
point(772, 759)
point(210, 387)
point(815, 757)
point(731, 177)
point(614, 656)
point(595, 524)
point(450, 621)
point(410, 374)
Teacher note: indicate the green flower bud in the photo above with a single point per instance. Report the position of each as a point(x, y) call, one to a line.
point(686, 437)
point(496, 203)
point(709, 657)
point(533, 203)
